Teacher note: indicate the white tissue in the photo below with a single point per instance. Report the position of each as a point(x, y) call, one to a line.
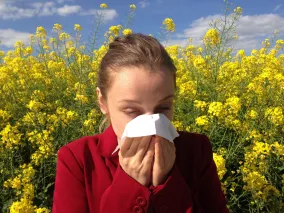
point(144, 125)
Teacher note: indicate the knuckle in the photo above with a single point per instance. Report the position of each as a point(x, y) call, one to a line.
point(125, 162)
point(133, 164)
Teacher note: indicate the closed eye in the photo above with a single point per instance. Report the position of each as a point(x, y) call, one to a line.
point(133, 112)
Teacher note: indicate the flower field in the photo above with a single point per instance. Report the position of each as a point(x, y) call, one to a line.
point(47, 99)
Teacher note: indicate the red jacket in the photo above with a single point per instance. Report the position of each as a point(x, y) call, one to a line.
point(89, 179)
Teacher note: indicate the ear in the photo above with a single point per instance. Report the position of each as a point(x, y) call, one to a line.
point(102, 102)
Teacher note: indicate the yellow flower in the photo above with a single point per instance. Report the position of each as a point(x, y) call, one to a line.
point(28, 50)
point(16, 183)
point(200, 105)
point(2, 53)
point(178, 125)
point(253, 114)
point(57, 26)
point(240, 95)
point(200, 50)
point(202, 120)
point(169, 24)
point(24, 205)
point(81, 98)
point(241, 53)
point(19, 44)
point(63, 36)
point(4, 114)
point(77, 27)
point(52, 40)
point(127, 31)
point(11, 136)
point(42, 210)
point(280, 42)
point(233, 105)
point(215, 108)
point(266, 43)
point(40, 32)
point(212, 37)
point(115, 29)
point(199, 62)
point(34, 105)
point(238, 10)
point(220, 164)
point(275, 115)
point(104, 6)
point(133, 6)
point(188, 129)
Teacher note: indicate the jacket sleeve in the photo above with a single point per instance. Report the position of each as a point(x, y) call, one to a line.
point(172, 196)
point(69, 192)
point(211, 196)
point(124, 195)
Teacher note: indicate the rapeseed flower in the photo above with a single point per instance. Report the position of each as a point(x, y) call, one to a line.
point(127, 32)
point(212, 37)
point(77, 27)
point(104, 6)
point(133, 6)
point(50, 94)
point(169, 24)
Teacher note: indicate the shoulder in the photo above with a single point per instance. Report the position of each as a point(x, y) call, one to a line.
point(192, 139)
point(194, 145)
point(79, 149)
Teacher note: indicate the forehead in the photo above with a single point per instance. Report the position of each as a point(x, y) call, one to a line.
point(135, 82)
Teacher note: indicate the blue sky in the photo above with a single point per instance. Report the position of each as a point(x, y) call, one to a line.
point(19, 18)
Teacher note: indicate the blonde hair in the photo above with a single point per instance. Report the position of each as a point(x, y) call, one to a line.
point(104, 124)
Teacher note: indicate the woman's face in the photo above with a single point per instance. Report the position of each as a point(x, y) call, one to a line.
point(135, 92)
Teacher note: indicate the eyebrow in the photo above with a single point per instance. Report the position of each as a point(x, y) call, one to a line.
point(138, 102)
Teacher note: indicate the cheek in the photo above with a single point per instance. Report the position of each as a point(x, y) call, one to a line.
point(118, 121)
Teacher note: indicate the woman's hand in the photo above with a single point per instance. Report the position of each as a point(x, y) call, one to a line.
point(165, 154)
point(136, 157)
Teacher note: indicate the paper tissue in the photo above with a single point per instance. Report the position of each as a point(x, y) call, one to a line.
point(144, 125)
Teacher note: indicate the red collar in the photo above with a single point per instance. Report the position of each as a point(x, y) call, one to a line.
point(107, 143)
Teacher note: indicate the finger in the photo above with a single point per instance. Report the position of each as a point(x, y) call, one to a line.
point(133, 147)
point(159, 153)
point(168, 153)
point(149, 155)
point(143, 147)
point(167, 146)
point(172, 147)
point(126, 143)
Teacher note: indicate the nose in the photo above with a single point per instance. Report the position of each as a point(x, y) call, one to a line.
point(150, 113)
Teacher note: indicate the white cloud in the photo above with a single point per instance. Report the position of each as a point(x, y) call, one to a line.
point(63, 1)
point(144, 3)
point(68, 9)
point(277, 7)
point(8, 37)
point(44, 9)
point(9, 11)
point(250, 29)
point(108, 14)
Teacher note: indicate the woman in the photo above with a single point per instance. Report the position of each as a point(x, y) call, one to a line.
point(147, 174)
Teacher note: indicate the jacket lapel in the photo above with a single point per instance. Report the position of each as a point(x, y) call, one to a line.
point(108, 143)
